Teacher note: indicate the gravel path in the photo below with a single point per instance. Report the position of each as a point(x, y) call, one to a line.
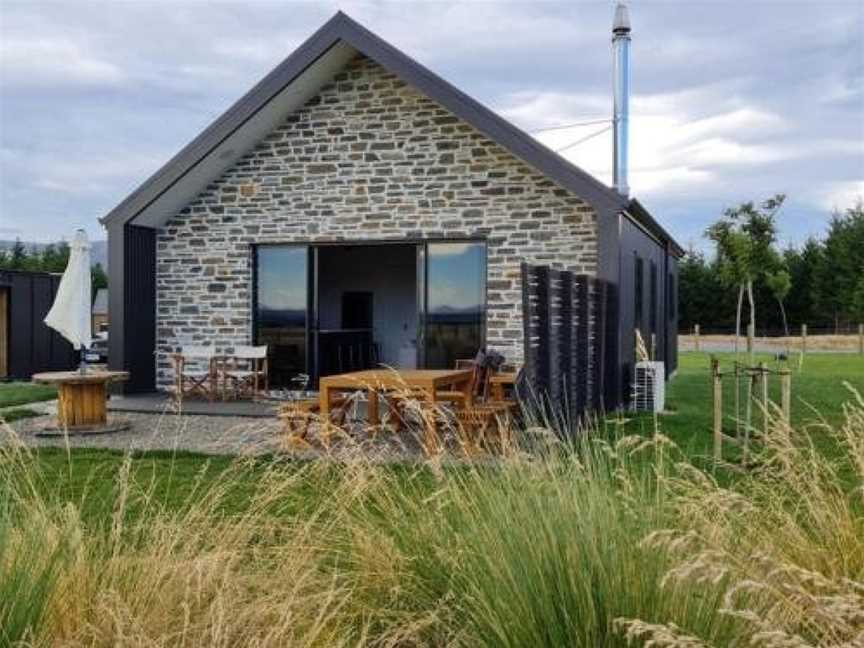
point(223, 435)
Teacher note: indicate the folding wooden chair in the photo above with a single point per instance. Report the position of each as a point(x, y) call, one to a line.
point(195, 372)
point(245, 373)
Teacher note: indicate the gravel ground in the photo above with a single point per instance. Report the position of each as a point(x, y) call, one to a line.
point(225, 435)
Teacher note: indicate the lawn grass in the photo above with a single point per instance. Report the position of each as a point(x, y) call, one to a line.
point(17, 413)
point(89, 477)
point(817, 393)
point(21, 393)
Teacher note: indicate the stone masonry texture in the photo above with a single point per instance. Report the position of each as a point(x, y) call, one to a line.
point(368, 158)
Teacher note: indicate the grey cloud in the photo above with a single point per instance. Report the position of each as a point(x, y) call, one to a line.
point(94, 96)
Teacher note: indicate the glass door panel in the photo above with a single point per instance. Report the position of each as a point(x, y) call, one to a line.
point(455, 302)
point(281, 310)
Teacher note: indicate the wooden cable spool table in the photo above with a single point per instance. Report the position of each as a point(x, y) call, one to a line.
point(81, 401)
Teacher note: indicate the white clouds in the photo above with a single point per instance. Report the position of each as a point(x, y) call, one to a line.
point(838, 195)
point(45, 61)
point(733, 101)
point(85, 173)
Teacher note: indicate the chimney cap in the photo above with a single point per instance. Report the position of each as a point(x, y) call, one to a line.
point(621, 24)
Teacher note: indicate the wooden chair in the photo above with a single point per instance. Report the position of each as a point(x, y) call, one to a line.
point(246, 372)
point(195, 372)
point(298, 417)
point(478, 388)
point(478, 421)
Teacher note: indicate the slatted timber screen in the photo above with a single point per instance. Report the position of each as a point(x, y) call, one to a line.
point(569, 335)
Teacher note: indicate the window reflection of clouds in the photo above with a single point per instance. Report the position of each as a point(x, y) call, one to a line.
point(282, 278)
point(456, 273)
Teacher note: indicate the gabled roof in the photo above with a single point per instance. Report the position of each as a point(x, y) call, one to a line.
point(295, 81)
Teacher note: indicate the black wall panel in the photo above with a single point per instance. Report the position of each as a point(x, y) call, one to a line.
point(33, 346)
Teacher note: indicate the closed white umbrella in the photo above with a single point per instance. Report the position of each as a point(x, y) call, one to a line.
point(70, 315)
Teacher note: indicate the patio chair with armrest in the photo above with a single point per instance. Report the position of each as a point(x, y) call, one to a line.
point(195, 372)
point(299, 415)
point(478, 388)
point(245, 373)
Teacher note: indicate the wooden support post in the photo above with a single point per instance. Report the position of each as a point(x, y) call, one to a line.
point(861, 339)
point(803, 338)
point(786, 394)
point(748, 409)
point(718, 409)
point(763, 376)
point(696, 335)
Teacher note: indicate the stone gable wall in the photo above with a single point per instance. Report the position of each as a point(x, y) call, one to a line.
point(368, 158)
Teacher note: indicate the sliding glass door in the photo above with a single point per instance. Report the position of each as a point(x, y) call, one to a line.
point(281, 310)
point(288, 294)
point(455, 309)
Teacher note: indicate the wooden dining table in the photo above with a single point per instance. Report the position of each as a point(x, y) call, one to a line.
point(375, 381)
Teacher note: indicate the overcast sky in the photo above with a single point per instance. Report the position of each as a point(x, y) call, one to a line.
point(733, 100)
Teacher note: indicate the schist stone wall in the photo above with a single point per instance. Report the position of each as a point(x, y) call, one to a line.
point(368, 158)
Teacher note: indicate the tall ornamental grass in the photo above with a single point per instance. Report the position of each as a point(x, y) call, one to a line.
point(599, 543)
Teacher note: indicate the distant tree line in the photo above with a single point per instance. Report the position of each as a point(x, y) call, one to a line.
point(825, 277)
point(48, 258)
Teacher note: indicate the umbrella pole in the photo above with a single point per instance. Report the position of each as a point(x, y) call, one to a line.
point(82, 364)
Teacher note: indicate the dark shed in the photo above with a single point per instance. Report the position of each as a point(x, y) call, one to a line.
point(29, 346)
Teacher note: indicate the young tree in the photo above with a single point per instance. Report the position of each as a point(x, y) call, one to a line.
point(745, 237)
point(779, 283)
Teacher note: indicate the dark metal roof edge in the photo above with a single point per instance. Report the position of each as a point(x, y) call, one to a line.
point(342, 27)
point(643, 217)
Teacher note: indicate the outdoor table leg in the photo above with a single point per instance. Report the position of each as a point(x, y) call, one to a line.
point(324, 402)
point(373, 415)
point(431, 432)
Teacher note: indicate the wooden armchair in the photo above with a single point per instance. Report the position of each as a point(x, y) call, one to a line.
point(245, 373)
point(478, 388)
point(298, 417)
point(195, 372)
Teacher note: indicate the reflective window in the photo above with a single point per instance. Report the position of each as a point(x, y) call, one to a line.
point(456, 302)
point(280, 318)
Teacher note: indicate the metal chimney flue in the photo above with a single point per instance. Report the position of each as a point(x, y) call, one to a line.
point(621, 96)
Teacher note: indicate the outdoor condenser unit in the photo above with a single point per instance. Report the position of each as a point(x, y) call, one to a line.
point(649, 387)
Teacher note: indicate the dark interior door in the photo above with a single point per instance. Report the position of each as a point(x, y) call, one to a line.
point(357, 310)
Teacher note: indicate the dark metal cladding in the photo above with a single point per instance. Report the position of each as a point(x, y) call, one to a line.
point(33, 346)
point(139, 334)
point(637, 243)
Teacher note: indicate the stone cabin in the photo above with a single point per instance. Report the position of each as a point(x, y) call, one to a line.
point(355, 208)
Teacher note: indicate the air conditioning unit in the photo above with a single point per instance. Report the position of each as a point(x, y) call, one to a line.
point(649, 387)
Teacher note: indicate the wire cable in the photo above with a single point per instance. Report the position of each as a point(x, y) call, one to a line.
point(573, 125)
point(584, 139)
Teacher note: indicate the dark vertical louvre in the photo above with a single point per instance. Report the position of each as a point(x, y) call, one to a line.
point(139, 302)
point(543, 341)
point(570, 341)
